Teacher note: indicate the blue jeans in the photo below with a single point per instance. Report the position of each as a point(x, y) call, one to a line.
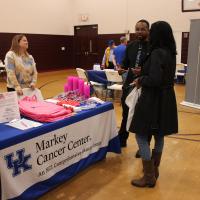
point(144, 148)
point(124, 75)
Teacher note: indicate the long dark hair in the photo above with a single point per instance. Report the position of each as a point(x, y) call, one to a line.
point(161, 36)
point(15, 44)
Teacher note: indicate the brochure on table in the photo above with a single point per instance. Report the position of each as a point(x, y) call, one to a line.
point(23, 124)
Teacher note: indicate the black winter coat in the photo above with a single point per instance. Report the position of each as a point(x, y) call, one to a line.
point(156, 110)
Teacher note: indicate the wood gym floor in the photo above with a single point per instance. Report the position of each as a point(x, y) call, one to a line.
point(110, 179)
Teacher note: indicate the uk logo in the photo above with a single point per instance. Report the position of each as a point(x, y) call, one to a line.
point(20, 164)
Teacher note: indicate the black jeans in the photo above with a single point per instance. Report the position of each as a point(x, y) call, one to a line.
point(110, 65)
point(10, 89)
point(123, 133)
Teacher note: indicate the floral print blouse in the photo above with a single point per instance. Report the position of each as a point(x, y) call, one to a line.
point(21, 71)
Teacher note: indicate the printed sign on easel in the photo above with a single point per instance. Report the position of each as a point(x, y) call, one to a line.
point(9, 108)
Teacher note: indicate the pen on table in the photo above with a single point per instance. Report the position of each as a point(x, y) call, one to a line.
point(23, 124)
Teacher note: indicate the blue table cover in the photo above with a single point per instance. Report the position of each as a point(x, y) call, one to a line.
point(97, 76)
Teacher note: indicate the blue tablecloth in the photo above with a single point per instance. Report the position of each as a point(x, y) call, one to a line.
point(10, 136)
point(48, 155)
point(97, 76)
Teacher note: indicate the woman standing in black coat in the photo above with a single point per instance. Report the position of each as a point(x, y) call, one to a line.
point(156, 110)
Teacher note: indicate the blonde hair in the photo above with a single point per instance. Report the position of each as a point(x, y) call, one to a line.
point(15, 44)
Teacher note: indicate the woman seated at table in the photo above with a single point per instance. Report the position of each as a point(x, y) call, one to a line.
point(20, 66)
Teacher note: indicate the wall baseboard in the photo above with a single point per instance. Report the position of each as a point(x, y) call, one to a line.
point(189, 104)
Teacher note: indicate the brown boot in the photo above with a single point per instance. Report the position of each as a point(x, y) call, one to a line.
point(156, 157)
point(148, 180)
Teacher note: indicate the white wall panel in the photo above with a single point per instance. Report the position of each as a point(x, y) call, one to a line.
point(36, 16)
point(119, 15)
point(112, 16)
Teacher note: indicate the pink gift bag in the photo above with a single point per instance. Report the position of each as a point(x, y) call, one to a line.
point(70, 83)
point(81, 86)
point(65, 87)
point(87, 90)
point(75, 83)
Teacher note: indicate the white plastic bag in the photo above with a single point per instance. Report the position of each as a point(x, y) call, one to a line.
point(29, 92)
point(131, 101)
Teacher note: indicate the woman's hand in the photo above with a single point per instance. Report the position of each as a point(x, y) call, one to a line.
point(136, 83)
point(19, 92)
point(32, 86)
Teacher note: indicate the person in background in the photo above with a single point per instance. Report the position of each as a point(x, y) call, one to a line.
point(119, 53)
point(1, 63)
point(156, 110)
point(135, 55)
point(20, 66)
point(107, 62)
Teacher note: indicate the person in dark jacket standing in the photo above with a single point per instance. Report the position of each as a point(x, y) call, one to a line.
point(156, 109)
point(135, 56)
